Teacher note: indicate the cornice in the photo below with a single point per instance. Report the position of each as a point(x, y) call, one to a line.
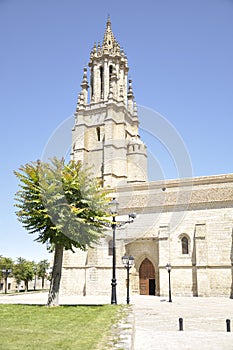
point(177, 183)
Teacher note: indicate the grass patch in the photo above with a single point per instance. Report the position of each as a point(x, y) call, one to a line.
point(64, 327)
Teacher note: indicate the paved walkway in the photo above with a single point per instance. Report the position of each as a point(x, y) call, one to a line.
point(153, 323)
point(156, 323)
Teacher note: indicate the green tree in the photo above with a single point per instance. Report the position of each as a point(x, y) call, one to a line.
point(6, 266)
point(64, 205)
point(42, 267)
point(23, 270)
point(35, 269)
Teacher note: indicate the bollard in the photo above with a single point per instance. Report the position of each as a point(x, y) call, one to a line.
point(181, 324)
point(228, 322)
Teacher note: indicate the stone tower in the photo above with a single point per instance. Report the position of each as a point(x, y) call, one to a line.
point(105, 135)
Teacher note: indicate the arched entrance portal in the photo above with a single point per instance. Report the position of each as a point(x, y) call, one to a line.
point(147, 278)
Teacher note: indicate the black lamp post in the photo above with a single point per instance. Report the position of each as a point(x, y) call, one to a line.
point(6, 272)
point(128, 262)
point(113, 205)
point(168, 267)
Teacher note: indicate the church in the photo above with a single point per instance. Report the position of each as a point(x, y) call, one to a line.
point(185, 223)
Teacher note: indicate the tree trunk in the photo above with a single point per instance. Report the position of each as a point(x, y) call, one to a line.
point(53, 297)
point(26, 285)
point(42, 282)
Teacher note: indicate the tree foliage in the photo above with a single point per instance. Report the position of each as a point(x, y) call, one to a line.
point(5, 263)
point(23, 270)
point(41, 270)
point(63, 205)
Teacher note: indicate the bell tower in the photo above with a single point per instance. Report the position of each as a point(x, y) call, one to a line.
point(105, 134)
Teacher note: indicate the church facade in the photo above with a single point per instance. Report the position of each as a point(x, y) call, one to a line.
point(186, 223)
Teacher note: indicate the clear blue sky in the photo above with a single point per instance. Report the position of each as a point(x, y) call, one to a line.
point(180, 54)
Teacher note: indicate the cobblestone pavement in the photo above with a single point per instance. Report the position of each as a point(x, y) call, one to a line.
point(153, 323)
point(156, 323)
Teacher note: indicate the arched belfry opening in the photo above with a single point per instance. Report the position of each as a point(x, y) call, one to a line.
point(101, 82)
point(147, 278)
point(110, 73)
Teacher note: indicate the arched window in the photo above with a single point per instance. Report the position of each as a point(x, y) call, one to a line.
point(110, 247)
point(98, 133)
point(185, 245)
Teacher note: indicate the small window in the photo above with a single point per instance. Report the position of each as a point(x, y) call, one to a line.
point(98, 133)
point(110, 247)
point(185, 245)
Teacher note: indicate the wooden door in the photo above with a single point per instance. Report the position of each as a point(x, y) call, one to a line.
point(146, 275)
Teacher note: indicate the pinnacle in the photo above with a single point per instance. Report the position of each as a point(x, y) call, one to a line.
point(109, 39)
point(109, 45)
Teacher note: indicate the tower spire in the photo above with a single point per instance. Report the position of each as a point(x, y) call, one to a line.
point(108, 64)
point(109, 40)
point(106, 133)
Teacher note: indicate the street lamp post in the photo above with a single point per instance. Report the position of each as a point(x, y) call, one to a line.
point(6, 272)
point(168, 267)
point(128, 262)
point(113, 205)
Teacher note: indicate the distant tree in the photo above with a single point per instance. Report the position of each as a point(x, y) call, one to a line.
point(64, 205)
point(5, 263)
point(42, 267)
point(6, 266)
point(23, 270)
point(35, 270)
